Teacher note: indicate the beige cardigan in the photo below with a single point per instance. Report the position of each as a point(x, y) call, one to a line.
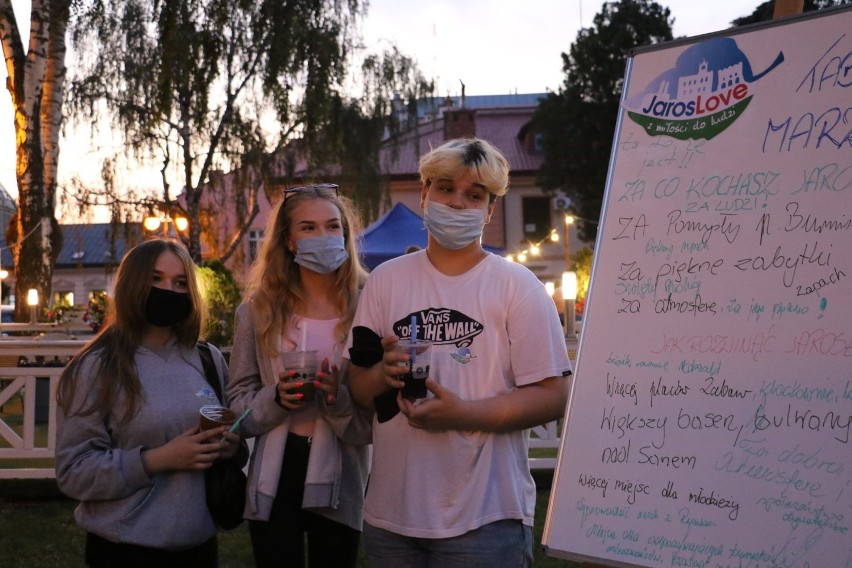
point(338, 466)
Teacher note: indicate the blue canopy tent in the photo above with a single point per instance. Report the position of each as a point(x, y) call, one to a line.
point(389, 235)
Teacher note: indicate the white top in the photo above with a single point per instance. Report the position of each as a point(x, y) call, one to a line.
point(319, 337)
point(494, 328)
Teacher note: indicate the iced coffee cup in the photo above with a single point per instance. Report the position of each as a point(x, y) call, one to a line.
point(419, 352)
point(214, 415)
point(301, 367)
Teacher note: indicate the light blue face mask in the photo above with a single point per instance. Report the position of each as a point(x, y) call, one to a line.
point(453, 229)
point(321, 254)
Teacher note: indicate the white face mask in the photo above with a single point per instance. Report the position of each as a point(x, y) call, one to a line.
point(321, 254)
point(453, 229)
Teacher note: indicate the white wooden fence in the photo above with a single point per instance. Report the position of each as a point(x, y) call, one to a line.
point(36, 388)
point(30, 384)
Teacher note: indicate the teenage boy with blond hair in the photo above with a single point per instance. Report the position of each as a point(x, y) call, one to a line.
point(450, 483)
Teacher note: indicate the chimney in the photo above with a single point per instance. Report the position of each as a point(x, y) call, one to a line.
point(459, 123)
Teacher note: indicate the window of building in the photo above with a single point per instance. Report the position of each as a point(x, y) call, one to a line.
point(95, 293)
point(63, 298)
point(255, 239)
point(536, 213)
point(537, 145)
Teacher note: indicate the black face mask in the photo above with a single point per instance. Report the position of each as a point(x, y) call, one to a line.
point(165, 308)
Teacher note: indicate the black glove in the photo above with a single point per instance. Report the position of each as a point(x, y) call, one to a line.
point(366, 351)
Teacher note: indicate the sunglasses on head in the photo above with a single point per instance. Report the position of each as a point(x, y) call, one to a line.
point(316, 187)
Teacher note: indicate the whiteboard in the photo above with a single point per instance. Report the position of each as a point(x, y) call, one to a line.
point(709, 420)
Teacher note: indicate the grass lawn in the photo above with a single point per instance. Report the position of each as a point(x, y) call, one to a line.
point(38, 529)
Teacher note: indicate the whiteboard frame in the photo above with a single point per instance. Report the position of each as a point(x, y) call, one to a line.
point(546, 547)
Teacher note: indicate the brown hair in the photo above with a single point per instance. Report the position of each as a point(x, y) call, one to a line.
point(124, 328)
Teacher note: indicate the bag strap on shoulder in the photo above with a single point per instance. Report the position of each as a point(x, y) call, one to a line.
point(210, 372)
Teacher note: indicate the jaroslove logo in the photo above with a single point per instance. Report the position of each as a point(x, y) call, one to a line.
point(697, 107)
point(706, 91)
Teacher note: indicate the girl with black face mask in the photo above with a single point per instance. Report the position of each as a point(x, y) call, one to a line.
point(309, 465)
point(128, 442)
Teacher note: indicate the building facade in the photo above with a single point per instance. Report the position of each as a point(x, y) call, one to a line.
point(86, 264)
point(526, 224)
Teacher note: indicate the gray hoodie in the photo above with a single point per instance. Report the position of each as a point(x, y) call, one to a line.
point(98, 459)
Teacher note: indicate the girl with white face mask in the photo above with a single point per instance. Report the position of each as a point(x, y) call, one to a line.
point(309, 466)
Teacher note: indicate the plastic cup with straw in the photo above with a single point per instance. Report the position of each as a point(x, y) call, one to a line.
point(303, 365)
point(419, 352)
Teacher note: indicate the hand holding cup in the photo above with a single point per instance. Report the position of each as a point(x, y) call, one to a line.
point(417, 365)
point(328, 382)
point(296, 384)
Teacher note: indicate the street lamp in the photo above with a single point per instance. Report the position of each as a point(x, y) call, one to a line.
point(152, 223)
point(32, 302)
point(569, 296)
point(569, 220)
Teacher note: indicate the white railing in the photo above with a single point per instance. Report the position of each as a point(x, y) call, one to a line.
point(21, 385)
point(546, 436)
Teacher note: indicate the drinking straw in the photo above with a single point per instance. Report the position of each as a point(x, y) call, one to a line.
point(412, 335)
point(236, 424)
point(304, 335)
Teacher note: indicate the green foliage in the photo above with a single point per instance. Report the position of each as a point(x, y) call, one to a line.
point(190, 84)
point(200, 87)
point(582, 266)
point(347, 146)
point(577, 123)
point(223, 296)
point(765, 11)
point(96, 310)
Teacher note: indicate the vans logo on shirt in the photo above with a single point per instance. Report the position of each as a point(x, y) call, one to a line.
point(441, 325)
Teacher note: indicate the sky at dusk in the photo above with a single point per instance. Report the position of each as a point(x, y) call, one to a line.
point(492, 46)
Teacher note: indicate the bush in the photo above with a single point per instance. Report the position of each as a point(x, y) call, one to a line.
point(223, 295)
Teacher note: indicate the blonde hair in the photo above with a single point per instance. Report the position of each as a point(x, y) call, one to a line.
point(124, 328)
point(275, 283)
point(456, 156)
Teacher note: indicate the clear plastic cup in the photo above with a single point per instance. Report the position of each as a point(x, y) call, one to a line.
point(303, 365)
point(420, 358)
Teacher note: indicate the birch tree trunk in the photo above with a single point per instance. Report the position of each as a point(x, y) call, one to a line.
point(35, 84)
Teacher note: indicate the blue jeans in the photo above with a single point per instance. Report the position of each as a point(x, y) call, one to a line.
point(507, 543)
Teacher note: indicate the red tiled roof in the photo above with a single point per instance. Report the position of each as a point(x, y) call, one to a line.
point(502, 127)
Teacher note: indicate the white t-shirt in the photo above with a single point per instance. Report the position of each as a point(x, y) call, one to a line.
point(494, 328)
